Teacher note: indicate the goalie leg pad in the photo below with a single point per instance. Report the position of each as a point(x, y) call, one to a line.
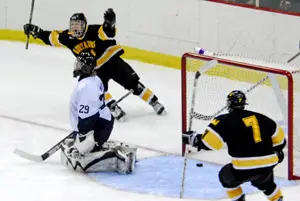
point(91, 162)
point(115, 157)
point(126, 158)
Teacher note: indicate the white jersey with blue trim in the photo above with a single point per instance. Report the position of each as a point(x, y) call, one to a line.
point(87, 100)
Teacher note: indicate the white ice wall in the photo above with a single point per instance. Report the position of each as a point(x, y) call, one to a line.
point(170, 26)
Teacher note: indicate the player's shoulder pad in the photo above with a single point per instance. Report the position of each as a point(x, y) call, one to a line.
point(221, 117)
point(63, 32)
point(260, 116)
point(263, 119)
point(217, 120)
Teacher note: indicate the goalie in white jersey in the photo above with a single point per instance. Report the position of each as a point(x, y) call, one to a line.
point(93, 123)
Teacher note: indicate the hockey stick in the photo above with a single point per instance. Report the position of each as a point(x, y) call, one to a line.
point(45, 155)
point(209, 117)
point(50, 152)
point(30, 20)
point(123, 97)
point(295, 56)
point(208, 65)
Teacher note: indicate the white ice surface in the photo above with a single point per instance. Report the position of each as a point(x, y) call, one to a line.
point(35, 86)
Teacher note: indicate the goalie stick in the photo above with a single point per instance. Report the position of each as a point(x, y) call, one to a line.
point(55, 148)
point(209, 117)
point(30, 20)
point(208, 65)
point(44, 156)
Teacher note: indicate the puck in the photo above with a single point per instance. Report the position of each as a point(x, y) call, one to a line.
point(199, 164)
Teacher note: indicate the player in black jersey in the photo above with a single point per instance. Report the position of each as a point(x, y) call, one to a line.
point(255, 143)
point(99, 41)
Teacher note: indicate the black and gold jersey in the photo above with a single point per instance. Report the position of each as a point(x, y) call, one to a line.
point(98, 41)
point(250, 138)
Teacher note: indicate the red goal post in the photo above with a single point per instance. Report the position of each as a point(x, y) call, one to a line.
point(228, 75)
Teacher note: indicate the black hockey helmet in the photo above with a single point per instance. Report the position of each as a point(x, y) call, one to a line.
point(84, 64)
point(236, 100)
point(78, 25)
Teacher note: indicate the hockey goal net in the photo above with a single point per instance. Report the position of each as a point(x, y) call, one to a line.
point(272, 88)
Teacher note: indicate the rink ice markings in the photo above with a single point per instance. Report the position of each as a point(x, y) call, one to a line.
point(162, 176)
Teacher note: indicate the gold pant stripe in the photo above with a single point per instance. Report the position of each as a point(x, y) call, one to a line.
point(146, 95)
point(108, 96)
point(234, 194)
point(213, 140)
point(110, 52)
point(254, 162)
point(276, 195)
point(53, 38)
point(278, 137)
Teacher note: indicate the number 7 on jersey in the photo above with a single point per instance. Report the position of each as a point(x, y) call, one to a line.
point(253, 122)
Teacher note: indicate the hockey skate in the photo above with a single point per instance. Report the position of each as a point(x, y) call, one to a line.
point(158, 108)
point(118, 113)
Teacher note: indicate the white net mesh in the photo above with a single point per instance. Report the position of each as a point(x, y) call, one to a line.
point(216, 83)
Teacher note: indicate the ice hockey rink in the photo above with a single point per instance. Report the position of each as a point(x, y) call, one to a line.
point(35, 88)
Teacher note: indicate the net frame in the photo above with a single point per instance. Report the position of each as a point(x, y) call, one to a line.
point(290, 98)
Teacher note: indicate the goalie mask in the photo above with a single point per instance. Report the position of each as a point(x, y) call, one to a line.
point(236, 100)
point(78, 25)
point(84, 64)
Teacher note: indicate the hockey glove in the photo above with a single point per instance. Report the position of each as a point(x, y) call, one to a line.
point(280, 155)
point(110, 18)
point(30, 29)
point(278, 151)
point(193, 138)
point(280, 147)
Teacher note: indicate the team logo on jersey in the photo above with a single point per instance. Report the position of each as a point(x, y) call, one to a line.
point(83, 46)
